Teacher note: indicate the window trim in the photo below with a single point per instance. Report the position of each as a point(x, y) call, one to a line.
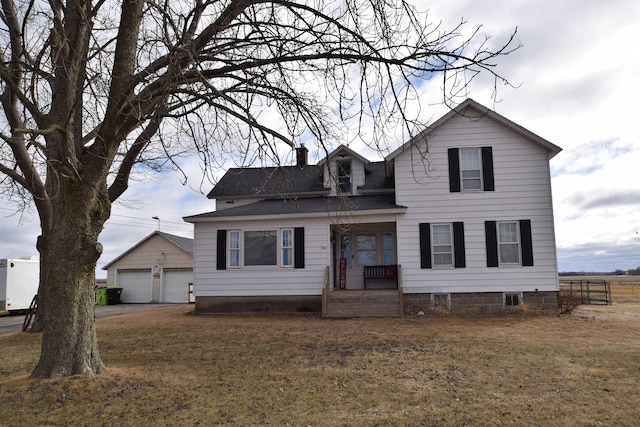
point(451, 246)
point(291, 247)
point(480, 170)
point(486, 164)
point(426, 249)
point(505, 296)
point(240, 239)
point(295, 240)
point(500, 244)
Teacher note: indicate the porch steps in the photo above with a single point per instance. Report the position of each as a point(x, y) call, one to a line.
point(360, 303)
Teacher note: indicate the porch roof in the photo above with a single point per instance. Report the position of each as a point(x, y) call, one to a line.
point(305, 206)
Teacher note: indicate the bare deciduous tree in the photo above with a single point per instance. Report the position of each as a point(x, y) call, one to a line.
point(90, 89)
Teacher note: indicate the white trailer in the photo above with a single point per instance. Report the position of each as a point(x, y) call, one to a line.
point(19, 279)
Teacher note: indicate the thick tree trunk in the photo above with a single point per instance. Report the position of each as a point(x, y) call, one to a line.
point(69, 253)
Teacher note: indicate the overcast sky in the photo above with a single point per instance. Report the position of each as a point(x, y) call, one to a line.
point(578, 78)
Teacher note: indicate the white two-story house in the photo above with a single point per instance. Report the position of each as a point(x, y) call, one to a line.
point(459, 217)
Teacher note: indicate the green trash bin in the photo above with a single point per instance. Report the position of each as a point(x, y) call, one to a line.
point(101, 296)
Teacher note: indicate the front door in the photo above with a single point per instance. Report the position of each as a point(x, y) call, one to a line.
point(373, 244)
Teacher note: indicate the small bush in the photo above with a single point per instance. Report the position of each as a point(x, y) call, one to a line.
point(568, 301)
point(441, 312)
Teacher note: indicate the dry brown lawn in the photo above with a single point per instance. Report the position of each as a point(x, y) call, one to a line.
point(168, 367)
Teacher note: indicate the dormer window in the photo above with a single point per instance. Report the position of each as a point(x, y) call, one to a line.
point(344, 176)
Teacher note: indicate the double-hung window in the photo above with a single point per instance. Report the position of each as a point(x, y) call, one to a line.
point(234, 248)
point(442, 245)
point(287, 247)
point(508, 242)
point(470, 169)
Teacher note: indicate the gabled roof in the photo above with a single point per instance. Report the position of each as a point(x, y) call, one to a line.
point(184, 243)
point(292, 181)
point(463, 109)
point(310, 205)
point(269, 182)
point(344, 150)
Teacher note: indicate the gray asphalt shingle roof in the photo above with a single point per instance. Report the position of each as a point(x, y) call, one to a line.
point(305, 205)
point(269, 182)
point(288, 181)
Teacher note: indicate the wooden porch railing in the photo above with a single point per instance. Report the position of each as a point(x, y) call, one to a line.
point(325, 291)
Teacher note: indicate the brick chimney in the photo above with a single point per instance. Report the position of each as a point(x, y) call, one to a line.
point(301, 155)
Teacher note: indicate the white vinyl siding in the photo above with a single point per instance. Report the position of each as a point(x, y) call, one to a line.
point(522, 190)
point(261, 279)
point(268, 280)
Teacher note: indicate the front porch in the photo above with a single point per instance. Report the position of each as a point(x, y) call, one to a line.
point(363, 279)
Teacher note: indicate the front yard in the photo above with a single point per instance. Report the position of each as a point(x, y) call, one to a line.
point(168, 367)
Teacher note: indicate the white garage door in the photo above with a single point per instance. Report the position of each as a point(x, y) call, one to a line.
point(176, 286)
point(137, 285)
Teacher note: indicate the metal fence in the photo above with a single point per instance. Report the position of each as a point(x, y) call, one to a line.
point(596, 292)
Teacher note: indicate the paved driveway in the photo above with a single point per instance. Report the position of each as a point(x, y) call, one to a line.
point(14, 323)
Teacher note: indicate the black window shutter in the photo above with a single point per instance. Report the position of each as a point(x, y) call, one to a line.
point(525, 242)
point(298, 247)
point(454, 170)
point(221, 250)
point(425, 245)
point(458, 245)
point(492, 243)
point(487, 169)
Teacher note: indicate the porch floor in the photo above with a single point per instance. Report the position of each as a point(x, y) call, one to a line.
point(363, 303)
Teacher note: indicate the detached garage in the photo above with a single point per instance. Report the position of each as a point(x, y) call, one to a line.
point(157, 269)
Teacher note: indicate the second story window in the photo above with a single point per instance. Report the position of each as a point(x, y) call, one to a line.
point(470, 169)
point(344, 176)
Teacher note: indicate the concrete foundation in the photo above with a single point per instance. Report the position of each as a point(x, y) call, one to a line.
point(484, 303)
point(262, 304)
